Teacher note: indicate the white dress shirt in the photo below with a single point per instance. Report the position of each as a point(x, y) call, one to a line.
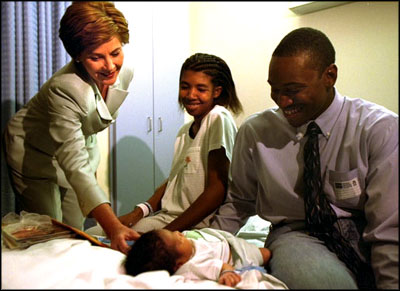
point(359, 168)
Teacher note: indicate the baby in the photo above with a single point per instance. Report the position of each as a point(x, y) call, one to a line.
point(196, 254)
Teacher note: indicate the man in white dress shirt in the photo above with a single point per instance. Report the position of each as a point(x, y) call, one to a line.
point(358, 151)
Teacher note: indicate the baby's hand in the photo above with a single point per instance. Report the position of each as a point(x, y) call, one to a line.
point(229, 278)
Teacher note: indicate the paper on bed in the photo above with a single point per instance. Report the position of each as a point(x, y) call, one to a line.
point(21, 231)
point(26, 229)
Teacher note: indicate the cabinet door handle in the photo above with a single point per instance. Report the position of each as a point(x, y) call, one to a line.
point(149, 124)
point(159, 124)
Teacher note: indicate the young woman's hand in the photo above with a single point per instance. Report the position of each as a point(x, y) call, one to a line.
point(131, 218)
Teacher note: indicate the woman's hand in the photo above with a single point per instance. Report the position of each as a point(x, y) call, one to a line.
point(132, 217)
point(119, 235)
point(114, 229)
point(128, 219)
point(136, 214)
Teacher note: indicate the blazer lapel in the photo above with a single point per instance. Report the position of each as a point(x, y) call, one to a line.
point(102, 108)
point(115, 97)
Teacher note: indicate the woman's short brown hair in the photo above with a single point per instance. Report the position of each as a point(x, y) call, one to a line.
point(87, 25)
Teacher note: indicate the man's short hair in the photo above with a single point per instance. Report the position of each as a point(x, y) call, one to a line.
point(310, 41)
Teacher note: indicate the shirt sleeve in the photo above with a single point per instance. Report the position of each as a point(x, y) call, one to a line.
point(222, 132)
point(72, 153)
point(242, 190)
point(74, 121)
point(381, 207)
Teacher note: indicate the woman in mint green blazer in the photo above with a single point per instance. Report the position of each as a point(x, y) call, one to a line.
point(51, 146)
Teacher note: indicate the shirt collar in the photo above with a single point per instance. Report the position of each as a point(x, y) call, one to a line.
point(116, 83)
point(96, 89)
point(106, 109)
point(327, 120)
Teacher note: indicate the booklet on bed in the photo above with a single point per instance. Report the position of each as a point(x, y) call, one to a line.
point(26, 229)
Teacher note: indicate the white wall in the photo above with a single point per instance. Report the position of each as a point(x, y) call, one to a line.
point(244, 34)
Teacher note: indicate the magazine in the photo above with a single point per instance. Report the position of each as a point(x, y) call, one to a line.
point(26, 229)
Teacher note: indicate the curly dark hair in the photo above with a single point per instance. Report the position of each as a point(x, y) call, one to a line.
point(150, 253)
point(86, 25)
point(310, 41)
point(218, 70)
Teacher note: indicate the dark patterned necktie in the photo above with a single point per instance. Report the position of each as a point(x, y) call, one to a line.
point(321, 220)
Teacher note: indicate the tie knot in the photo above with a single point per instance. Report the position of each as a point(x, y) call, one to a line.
point(313, 129)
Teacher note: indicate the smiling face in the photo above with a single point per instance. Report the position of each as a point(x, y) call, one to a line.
point(104, 63)
point(197, 93)
point(299, 90)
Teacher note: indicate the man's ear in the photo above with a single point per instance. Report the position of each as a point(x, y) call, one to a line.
point(217, 91)
point(330, 75)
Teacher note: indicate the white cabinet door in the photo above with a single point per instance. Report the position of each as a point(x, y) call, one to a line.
point(171, 49)
point(144, 134)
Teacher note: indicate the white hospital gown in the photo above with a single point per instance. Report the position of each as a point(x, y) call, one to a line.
point(213, 248)
point(206, 262)
point(188, 174)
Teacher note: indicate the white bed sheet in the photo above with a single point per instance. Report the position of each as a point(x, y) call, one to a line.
point(76, 264)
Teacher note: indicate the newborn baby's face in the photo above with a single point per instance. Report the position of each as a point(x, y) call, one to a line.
point(176, 240)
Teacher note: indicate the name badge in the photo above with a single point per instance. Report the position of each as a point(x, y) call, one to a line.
point(347, 189)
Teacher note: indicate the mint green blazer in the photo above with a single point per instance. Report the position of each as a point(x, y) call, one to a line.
point(54, 135)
